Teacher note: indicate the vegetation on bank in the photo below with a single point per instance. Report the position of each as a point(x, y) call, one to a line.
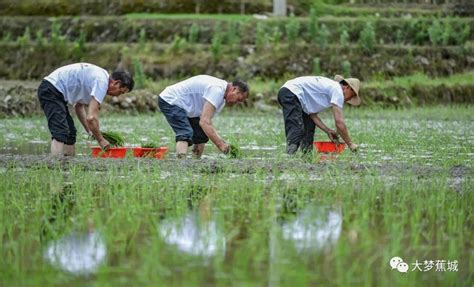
point(298, 7)
point(238, 29)
point(155, 61)
point(382, 51)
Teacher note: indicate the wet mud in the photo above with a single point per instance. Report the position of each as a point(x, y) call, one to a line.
point(232, 166)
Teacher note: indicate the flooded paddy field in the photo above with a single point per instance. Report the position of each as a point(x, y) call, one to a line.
point(263, 219)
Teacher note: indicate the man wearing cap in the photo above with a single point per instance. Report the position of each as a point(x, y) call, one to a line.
point(190, 105)
point(79, 85)
point(303, 98)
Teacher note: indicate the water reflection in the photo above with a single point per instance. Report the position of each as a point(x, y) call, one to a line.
point(78, 253)
point(313, 228)
point(196, 233)
point(30, 148)
point(305, 230)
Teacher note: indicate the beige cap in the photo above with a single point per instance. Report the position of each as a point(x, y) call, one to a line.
point(354, 84)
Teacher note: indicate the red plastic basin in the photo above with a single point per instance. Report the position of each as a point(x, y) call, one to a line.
point(113, 152)
point(158, 153)
point(329, 147)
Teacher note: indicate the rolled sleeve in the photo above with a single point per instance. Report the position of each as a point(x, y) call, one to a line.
point(337, 98)
point(99, 90)
point(215, 96)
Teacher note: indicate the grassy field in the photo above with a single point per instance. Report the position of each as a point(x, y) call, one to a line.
point(265, 219)
point(226, 17)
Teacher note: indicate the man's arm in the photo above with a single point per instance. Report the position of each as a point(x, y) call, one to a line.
point(82, 116)
point(341, 127)
point(93, 122)
point(206, 124)
point(320, 124)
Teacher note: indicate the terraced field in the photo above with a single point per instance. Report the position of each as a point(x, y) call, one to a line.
point(265, 218)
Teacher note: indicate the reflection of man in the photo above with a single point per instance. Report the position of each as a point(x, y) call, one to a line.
point(190, 105)
point(303, 98)
point(79, 85)
point(195, 233)
point(78, 253)
point(314, 228)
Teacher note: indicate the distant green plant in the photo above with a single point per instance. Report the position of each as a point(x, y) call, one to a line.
point(448, 33)
point(25, 39)
point(399, 37)
point(443, 33)
point(275, 36)
point(344, 37)
point(367, 38)
point(178, 44)
point(316, 66)
point(323, 36)
point(292, 28)
point(193, 33)
point(216, 42)
point(57, 40)
point(80, 45)
point(40, 39)
point(233, 35)
point(418, 32)
point(260, 35)
point(138, 74)
point(7, 37)
point(313, 22)
point(463, 35)
point(435, 32)
point(142, 39)
point(346, 68)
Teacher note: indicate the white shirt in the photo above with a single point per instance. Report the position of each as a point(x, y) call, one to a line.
point(80, 82)
point(316, 93)
point(191, 94)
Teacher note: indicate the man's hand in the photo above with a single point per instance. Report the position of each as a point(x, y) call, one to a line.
point(205, 122)
point(353, 147)
point(224, 147)
point(333, 136)
point(104, 144)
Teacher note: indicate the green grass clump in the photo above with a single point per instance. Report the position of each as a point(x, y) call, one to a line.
point(235, 151)
point(150, 145)
point(114, 138)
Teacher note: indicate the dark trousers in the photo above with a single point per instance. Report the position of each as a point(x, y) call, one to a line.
point(55, 108)
point(299, 127)
point(186, 129)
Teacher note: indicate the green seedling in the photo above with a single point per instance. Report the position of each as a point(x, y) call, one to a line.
point(115, 139)
point(235, 151)
point(150, 145)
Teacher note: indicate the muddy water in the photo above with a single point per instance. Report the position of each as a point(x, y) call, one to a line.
point(29, 148)
point(262, 138)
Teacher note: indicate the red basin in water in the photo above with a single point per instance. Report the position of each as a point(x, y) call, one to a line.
point(329, 147)
point(158, 153)
point(113, 152)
